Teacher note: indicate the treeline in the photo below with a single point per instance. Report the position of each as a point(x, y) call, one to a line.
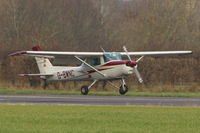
point(87, 25)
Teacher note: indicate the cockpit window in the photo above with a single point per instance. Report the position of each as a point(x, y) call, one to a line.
point(112, 56)
point(92, 61)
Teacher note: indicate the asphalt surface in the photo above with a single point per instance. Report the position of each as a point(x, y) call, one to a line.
point(98, 100)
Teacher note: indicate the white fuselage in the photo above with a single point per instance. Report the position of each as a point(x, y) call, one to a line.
point(111, 70)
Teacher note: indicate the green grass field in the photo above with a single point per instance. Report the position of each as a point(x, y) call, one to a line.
point(98, 119)
point(100, 93)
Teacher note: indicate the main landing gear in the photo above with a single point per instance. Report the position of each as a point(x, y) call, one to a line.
point(123, 89)
point(85, 89)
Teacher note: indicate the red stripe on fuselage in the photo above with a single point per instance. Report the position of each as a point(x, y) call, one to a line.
point(113, 63)
point(128, 63)
point(92, 71)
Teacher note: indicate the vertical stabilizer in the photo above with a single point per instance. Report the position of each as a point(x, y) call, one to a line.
point(43, 63)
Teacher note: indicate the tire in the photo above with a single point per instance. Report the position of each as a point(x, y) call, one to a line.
point(123, 89)
point(84, 90)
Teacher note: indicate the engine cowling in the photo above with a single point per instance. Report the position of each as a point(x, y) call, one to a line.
point(131, 63)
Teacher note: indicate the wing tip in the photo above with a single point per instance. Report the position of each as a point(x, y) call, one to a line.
point(18, 53)
point(22, 75)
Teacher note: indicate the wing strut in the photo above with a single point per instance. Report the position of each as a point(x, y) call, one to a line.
point(90, 66)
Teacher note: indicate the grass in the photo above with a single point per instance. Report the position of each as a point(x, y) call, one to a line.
point(98, 119)
point(100, 93)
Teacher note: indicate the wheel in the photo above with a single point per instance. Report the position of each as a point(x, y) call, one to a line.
point(84, 90)
point(123, 89)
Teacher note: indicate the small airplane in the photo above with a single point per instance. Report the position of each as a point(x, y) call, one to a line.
point(95, 66)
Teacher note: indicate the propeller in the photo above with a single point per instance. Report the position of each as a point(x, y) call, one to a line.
point(137, 73)
point(133, 64)
point(125, 49)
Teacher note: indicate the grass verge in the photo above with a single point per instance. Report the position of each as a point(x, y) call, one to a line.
point(100, 93)
point(98, 119)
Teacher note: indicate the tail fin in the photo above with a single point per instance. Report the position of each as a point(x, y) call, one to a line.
point(43, 63)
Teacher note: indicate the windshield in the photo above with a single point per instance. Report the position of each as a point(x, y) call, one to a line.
point(112, 56)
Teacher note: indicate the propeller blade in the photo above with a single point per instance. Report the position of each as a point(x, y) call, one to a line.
point(127, 53)
point(139, 59)
point(138, 75)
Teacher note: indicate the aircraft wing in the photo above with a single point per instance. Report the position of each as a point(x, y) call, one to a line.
point(156, 53)
point(53, 54)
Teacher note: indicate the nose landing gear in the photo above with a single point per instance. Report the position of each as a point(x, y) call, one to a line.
point(123, 89)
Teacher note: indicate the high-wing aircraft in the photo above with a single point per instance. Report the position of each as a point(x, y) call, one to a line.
point(95, 66)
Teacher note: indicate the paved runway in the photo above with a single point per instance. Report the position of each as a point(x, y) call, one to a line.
point(99, 100)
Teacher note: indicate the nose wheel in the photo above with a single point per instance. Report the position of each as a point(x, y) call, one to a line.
point(123, 89)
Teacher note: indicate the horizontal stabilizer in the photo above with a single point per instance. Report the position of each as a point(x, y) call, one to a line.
point(49, 74)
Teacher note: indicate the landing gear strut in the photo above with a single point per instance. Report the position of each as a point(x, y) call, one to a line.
point(123, 89)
